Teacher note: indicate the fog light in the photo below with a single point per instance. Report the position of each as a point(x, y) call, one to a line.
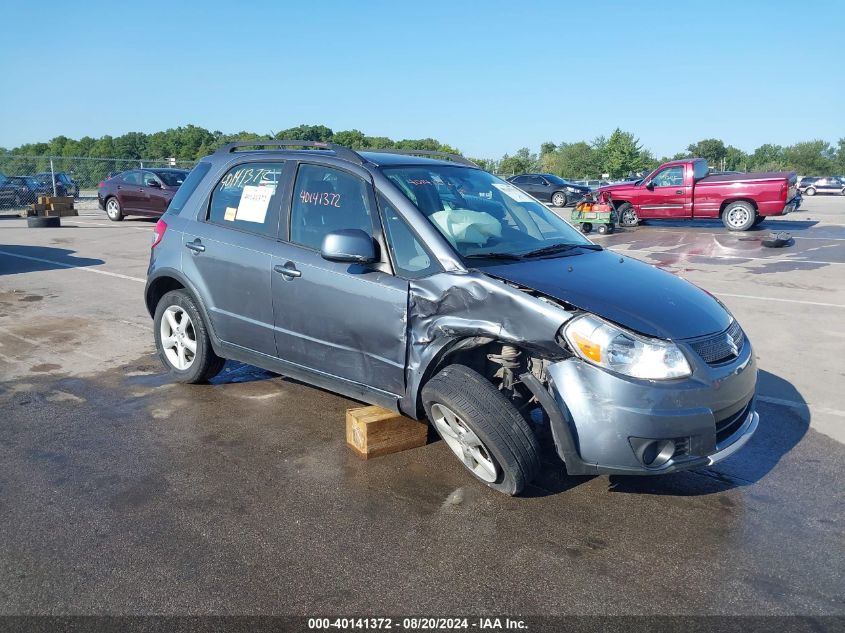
point(653, 453)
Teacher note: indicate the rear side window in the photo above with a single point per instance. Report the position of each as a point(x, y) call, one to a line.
point(132, 177)
point(245, 198)
point(326, 200)
point(188, 187)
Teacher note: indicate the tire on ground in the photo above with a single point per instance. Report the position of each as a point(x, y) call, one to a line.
point(627, 214)
point(206, 363)
point(44, 222)
point(491, 416)
point(736, 210)
point(116, 213)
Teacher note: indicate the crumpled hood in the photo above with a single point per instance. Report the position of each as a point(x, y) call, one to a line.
point(617, 187)
point(633, 294)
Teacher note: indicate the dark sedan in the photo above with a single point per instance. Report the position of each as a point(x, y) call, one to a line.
point(65, 185)
point(16, 191)
point(139, 192)
point(550, 188)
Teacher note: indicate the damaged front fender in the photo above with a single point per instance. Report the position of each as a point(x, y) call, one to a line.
point(448, 308)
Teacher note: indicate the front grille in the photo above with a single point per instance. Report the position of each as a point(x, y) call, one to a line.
point(731, 424)
point(721, 348)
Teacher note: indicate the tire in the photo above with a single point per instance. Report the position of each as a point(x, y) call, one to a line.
point(759, 219)
point(602, 229)
point(586, 227)
point(113, 209)
point(44, 222)
point(201, 364)
point(627, 214)
point(505, 441)
point(810, 191)
point(559, 199)
point(739, 216)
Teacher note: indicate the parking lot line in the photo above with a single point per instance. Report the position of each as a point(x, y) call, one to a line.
point(801, 405)
point(809, 303)
point(757, 259)
point(795, 237)
point(83, 268)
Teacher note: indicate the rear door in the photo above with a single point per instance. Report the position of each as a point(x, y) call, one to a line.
point(342, 320)
point(668, 194)
point(228, 253)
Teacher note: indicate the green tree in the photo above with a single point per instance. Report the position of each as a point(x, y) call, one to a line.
point(519, 163)
point(811, 158)
point(307, 133)
point(622, 154)
point(736, 159)
point(712, 149)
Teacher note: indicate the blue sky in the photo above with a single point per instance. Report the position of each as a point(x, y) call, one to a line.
point(488, 77)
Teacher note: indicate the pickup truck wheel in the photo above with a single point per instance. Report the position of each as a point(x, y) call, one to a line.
point(627, 214)
point(482, 428)
point(113, 209)
point(559, 199)
point(182, 340)
point(809, 191)
point(739, 216)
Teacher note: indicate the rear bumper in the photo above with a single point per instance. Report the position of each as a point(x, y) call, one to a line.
point(604, 423)
point(790, 207)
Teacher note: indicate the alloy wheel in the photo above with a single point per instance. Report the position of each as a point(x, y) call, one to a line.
point(113, 208)
point(178, 338)
point(464, 443)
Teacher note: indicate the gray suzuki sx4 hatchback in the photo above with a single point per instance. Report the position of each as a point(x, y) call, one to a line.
point(426, 285)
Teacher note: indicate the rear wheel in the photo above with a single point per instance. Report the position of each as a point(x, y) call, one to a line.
point(482, 428)
point(182, 340)
point(113, 209)
point(603, 229)
point(739, 216)
point(810, 191)
point(627, 214)
point(559, 199)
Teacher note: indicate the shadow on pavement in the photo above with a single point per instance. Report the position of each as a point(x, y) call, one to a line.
point(16, 259)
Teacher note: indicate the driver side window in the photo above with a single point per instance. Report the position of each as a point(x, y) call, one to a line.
point(669, 177)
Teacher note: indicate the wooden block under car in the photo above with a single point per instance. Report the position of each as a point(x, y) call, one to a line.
point(60, 206)
point(59, 200)
point(375, 431)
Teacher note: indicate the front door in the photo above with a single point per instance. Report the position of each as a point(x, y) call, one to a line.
point(229, 251)
point(156, 196)
point(343, 320)
point(667, 196)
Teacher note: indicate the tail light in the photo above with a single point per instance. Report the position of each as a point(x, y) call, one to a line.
point(784, 188)
point(158, 232)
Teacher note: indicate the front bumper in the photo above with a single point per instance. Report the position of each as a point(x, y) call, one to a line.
point(604, 422)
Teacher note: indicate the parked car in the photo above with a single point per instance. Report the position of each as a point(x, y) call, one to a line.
point(431, 287)
point(139, 192)
point(682, 189)
point(810, 186)
point(25, 189)
point(7, 192)
point(65, 185)
point(550, 188)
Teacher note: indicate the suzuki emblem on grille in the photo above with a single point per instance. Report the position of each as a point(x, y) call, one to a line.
point(732, 344)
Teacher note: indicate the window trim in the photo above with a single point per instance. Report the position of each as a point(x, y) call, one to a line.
point(277, 206)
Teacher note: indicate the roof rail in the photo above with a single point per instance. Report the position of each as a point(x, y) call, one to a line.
point(426, 152)
point(339, 150)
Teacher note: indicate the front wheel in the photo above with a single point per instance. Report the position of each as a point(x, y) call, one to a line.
point(182, 340)
point(627, 215)
point(559, 199)
point(739, 216)
point(482, 428)
point(586, 227)
point(810, 191)
point(113, 210)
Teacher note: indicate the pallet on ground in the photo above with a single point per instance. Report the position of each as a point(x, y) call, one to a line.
point(374, 431)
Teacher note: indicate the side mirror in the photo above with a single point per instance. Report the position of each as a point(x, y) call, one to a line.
point(649, 185)
point(155, 184)
point(348, 245)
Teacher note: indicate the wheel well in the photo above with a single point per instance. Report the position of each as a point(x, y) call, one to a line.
point(725, 203)
point(158, 289)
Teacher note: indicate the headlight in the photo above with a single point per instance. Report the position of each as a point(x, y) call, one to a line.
point(614, 348)
point(572, 189)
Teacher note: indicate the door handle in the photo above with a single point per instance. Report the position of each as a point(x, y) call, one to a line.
point(287, 272)
point(196, 246)
point(679, 192)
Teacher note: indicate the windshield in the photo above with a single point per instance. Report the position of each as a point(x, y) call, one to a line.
point(172, 178)
point(481, 215)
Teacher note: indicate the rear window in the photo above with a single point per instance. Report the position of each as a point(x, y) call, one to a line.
point(191, 182)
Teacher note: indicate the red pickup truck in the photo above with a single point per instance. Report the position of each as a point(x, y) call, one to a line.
point(682, 189)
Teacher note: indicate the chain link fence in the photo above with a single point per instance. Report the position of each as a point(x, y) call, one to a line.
point(71, 175)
